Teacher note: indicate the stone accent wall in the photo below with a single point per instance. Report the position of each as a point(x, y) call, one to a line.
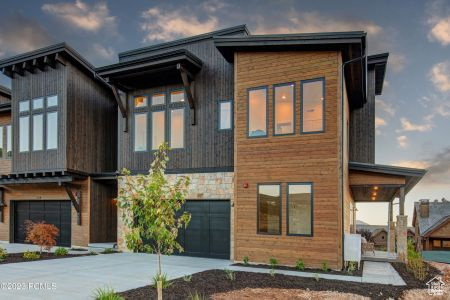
point(392, 238)
point(402, 237)
point(203, 186)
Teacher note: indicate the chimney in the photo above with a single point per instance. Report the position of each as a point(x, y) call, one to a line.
point(424, 208)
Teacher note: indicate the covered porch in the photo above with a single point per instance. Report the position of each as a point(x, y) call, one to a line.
point(374, 183)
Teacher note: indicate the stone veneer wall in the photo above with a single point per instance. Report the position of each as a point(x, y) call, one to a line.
point(203, 186)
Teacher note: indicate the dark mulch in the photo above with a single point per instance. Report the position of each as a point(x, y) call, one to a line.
point(314, 271)
point(18, 257)
point(409, 278)
point(212, 282)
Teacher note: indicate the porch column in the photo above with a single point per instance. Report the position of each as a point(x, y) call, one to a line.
point(391, 230)
point(402, 223)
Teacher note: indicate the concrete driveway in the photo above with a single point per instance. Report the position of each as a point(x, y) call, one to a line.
point(79, 277)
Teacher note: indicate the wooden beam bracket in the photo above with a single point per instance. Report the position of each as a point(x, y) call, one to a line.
point(188, 85)
point(74, 193)
point(122, 106)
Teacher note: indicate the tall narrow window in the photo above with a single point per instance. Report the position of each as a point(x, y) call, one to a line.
point(269, 208)
point(1, 141)
point(225, 114)
point(299, 208)
point(52, 130)
point(284, 107)
point(9, 141)
point(24, 136)
point(257, 112)
point(313, 105)
point(38, 132)
point(158, 126)
point(140, 132)
point(177, 96)
point(177, 128)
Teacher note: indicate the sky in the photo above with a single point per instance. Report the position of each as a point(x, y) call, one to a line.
point(412, 114)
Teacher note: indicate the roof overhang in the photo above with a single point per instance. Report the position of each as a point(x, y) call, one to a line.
point(5, 107)
point(436, 226)
point(378, 62)
point(351, 44)
point(58, 177)
point(5, 92)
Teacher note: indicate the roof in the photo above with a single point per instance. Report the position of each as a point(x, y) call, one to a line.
point(227, 31)
point(439, 213)
point(5, 91)
point(378, 62)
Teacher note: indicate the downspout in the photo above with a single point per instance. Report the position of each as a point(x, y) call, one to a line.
point(342, 141)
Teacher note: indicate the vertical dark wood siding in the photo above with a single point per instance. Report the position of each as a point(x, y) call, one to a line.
point(205, 146)
point(103, 212)
point(4, 100)
point(362, 126)
point(92, 124)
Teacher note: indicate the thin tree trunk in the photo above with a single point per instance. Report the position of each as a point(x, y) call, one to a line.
point(159, 282)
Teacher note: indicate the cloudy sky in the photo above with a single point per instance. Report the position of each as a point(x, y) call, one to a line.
point(413, 114)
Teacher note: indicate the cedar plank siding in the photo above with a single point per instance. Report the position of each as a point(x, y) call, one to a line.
point(205, 145)
point(298, 158)
point(5, 163)
point(442, 232)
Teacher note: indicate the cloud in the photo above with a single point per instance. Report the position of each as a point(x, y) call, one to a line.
point(397, 61)
point(83, 16)
point(385, 107)
point(105, 53)
point(408, 126)
point(161, 25)
point(213, 5)
point(416, 164)
point(20, 34)
point(379, 122)
point(440, 30)
point(402, 141)
point(440, 76)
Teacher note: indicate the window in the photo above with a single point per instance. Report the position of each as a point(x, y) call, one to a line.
point(52, 130)
point(140, 132)
point(24, 106)
point(437, 243)
point(158, 128)
point(9, 141)
point(37, 103)
point(1, 141)
point(312, 105)
point(269, 208)
point(52, 101)
point(299, 209)
point(446, 244)
point(177, 96)
point(177, 128)
point(140, 101)
point(257, 112)
point(158, 99)
point(225, 114)
point(24, 127)
point(38, 132)
point(284, 108)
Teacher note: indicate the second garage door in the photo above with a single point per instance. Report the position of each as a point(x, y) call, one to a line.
point(208, 233)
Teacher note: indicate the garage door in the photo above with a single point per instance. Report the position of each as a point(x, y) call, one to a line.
point(208, 233)
point(53, 212)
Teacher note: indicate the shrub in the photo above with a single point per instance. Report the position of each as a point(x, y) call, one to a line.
point(30, 255)
point(300, 265)
point(418, 267)
point(187, 278)
point(3, 254)
point(325, 266)
point(106, 294)
point(165, 283)
point(230, 274)
point(41, 234)
point(351, 267)
point(60, 251)
point(246, 260)
point(195, 296)
point(273, 262)
point(107, 251)
point(316, 277)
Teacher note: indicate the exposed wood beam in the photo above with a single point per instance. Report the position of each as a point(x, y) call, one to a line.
point(49, 61)
point(187, 79)
point(75, 198)
point(59, 59)
point(37, 63)
point(17, 69)
point(122, 107)
point(7, 72)
point(27, 66)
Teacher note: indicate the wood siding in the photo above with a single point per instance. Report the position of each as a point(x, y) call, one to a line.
point(442, 232)
point(283, 159)
point(5, 162)
point(103, 227)
point(4, 100)
point(368, 178)
point(205, 145)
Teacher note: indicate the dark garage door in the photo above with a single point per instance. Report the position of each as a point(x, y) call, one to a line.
point(208, 233)
point(53, 212)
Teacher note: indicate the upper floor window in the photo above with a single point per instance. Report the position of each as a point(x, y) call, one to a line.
point(284, 108)
point(38, 132)
point(158, 99)
point(24, 106)
point(9, 141)
point(177, 128)
point(299, 208)
point(177, 96)
point(5, 141)
point(24, 133)
point(158, 128)
point(225, 114)
point(52, 101)
point(257, 112)
point(269, 208)
point(140, 101)
point(52, 130)
point(312, 105)
point(140, 132)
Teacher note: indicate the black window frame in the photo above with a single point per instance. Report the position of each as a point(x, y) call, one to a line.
point(46, 110)
point(8, 136)
point(22, 114)
point(219, 119)
point(280, 208)
point(265, 87)
point(294, 124)
point(33, 113)
point(302, 82)
point(311, 184)
point(174, 106)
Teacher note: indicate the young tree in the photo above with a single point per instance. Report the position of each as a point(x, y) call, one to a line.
point(149, 206)
point(41, 234)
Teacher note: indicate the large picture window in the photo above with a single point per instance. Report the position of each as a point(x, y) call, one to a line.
point(140, 132)
point(158, 128)
point(299, 208)
point(177, 128)
point(312, 105)
point(269, 208)
point(284, 109)
point(257, 112)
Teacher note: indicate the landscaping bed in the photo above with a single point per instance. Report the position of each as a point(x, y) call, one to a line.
point(409, 278)
point(18, 257)
point(214, 282)
point(307, 270)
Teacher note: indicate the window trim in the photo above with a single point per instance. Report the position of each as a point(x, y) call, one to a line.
point(219, 102)
point(280, 208)
point(169, 111)
point(293, 112)
point(266, 87)
point(311, 184)
point(161, 108)
point(134, 131)
point(302, 82)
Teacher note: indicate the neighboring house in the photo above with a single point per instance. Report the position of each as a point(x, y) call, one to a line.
point(379, 233)
point(5, 130)
point(431, 221)
point(276, 132)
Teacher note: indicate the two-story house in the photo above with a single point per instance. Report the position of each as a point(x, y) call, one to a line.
point(276, 132)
